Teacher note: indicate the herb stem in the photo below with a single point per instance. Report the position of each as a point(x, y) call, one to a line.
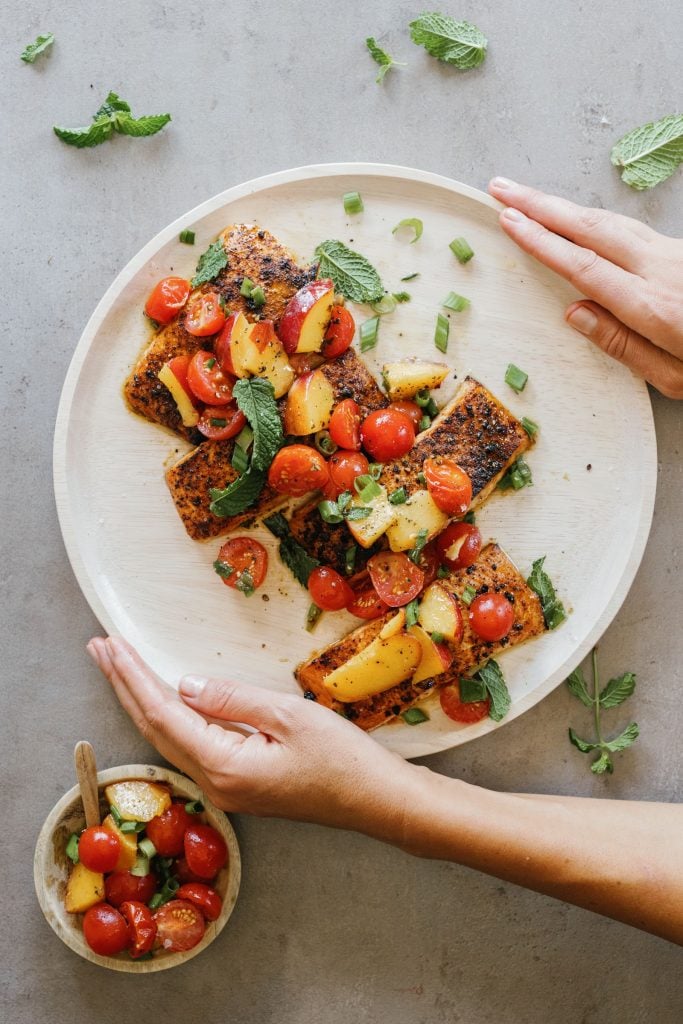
point(596, 697)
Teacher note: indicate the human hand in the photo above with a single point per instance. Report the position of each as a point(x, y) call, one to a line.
point(632, 275)
point(303, 762)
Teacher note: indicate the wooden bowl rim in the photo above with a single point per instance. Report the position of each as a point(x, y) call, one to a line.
point(53, 907)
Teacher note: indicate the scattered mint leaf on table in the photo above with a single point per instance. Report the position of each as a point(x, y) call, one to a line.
point(455, 42)
point(381, 57)
point(352, 275)
point(210, 263)
point(615, 693)
point(650, 154)
point(41, 45)
point(113, 116)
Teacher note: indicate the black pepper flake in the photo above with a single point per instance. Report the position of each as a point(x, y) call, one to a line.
point(509, 596)
point(309, 695)
point(589, 467)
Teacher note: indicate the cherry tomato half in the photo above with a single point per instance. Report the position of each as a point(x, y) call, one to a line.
point(473, 711)
point(387, 434)
point(206, 380)
point(168, 829)
point(449, 485)
point(459, 545)
point(367, 604)
point(205, 850)
point(410, 409)
point(329, 589)
point(142, 927)
point(429, 562)
point(98, 848)
point(167, 299)
point(204, 897)
point(491, 616)
point(105, 930)
point(304, 362)
point(297, 469)
point(243, 555)
point(395, 577)
point(345, 425)
point(204, 315)
point(221, 346)
point(339, 334)
point(344, 467)
point(180, 926)
point(179, 366)
point(121, 886)
point(219, 423)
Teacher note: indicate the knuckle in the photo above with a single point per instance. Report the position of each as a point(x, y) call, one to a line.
point(586, 262)
point(614, 340)
point(592, 218)
point(219, 696)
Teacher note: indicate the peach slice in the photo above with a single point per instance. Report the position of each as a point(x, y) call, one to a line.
point(309, 404)
point(440, 613)
point(436, 658)
point(384, 663)
point(306, 317)
point(241, 347)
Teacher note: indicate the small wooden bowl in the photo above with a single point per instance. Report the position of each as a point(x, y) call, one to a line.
point(51, 868)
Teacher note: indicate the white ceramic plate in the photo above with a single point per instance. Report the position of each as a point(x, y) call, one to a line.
point(594, 466)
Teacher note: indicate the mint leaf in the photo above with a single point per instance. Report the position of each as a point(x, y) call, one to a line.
point(541, 584)
point(112, 105)
point(352, 275)
point(494, 681)
point(650, 154)
point(603, 764)
point(256, 398)
point(139, 127)
point(382, 58)
point(82, 138)
point(210, 263)
point(223, 569)
point(41, 45)
point(577, 686)
point(295, 557)
point(625, 739)
point(583, 745)
point(238, 495)
point(456, 42)
point(617, 690)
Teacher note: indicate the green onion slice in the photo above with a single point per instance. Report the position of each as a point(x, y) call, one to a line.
point(472, 689)
point(156, 901)
point(72, 848)
point(329, 512)
point(366, 488)
point(421, 478)
point(516, 378)
point(210, 363)
point(147, 848)
point(218, 421)
point(187, 237)
point(353, 202)
point(312, 616)
point(442, 573)
point(411, 610)
point(517, 476)
point(469, 516)
point(141, 866)
point(441, 332)
point(410, 277)
point(414, 716)
point(410, 222)
point(375, 470)
point(194, 807)
point(402, 296)
point(387, 304)
point(461, 249)
point(438, 638)
point(398, 497)
point(223, 569)
point(422, 398)
point(420, 541)
point(468, 595)
point(258, 296)
point(115, 813)
point(350, 559)
point(530, 427)
point(247, 287)
point(424, 423)
point(455, 302)
point(324, 443)
point(132, 826)
point(240, 460)
point(368, 333)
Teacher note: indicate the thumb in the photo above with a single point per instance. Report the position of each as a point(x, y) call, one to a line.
point(658, 367)
point(237, 702)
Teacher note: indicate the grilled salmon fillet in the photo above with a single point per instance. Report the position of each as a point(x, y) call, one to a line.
point(492, 572)
point(252, 253)
point(210, 464)
point(328, 542)
point(474, 429)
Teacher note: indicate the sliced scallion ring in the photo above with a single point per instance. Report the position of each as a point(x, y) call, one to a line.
point(516, 378)
point(352, 202)
point(324, 443)
point(461, 249)
point(455, 302)
point(387, 304)
point(369, 330)
point(441, 332)
point(410, 222)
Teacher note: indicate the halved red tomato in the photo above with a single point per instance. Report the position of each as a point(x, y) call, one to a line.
point(243, 564)
point(448, 484)
point(344, 467)
point(204, 314)
point(221, 346)
point(367, 604)
point(345, 425)
point(179, 366)
point(395, 577)
point(329, 589)
point(429, 562)
point(204, 897)
point(459, 545)
point(472, 711)
point(167, 299)
point(491, 616)
point(219, 423)
point(410, 409)
point(206, 380)
point(180, 925)
point(142, 927)
point(297, 469)
point(339, 334)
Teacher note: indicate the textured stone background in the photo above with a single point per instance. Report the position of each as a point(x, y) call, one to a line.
point(329, 927)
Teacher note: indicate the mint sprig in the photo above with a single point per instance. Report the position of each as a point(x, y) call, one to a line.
point(35, 49)
point(210, 263)
point(352, 274)
point(381, 57)
point(614, 693)
point(113, 116)
point(458, 43)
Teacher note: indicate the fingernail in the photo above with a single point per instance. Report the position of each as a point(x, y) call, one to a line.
point(92, 651)
point(192, 686)
point(502, 183)
point(583, 320)
point(511, 214)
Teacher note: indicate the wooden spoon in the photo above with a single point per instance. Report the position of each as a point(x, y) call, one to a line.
point(86, 772)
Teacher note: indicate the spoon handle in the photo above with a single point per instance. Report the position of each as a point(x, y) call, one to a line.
point(86, 772)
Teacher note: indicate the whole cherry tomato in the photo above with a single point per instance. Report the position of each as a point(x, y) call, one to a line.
point(121, 886)
point(387, 434)
point(167, 830)
point(471, 711)
point(449, 485)
point(205, 850)
point(410, 409)
point(105, 930)
point(343, 468)
point(329, 589)
point(98, 848)
point(491, 616)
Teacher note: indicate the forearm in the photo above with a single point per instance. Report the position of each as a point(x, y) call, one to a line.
point(624, 860)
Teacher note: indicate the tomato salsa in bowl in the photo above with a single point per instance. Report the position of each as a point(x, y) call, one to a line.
point(174, 883)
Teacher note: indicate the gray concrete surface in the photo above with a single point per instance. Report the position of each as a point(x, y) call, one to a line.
point(329, 927)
